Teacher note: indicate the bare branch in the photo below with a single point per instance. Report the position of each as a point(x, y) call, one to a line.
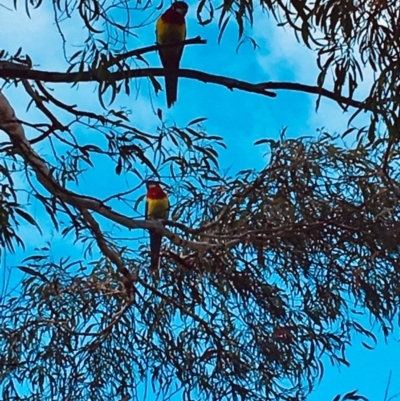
point(137, 52)
point(39, 104)
point(262, 88)
point(99, 76)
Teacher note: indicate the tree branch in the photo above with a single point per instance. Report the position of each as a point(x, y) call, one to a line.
point(263, 88)
point(138, 52)
point(102, 244)
point(101, 75)
point(39, 102)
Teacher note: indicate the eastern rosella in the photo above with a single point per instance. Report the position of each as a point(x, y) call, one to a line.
point(171, 28)
point(157, 207)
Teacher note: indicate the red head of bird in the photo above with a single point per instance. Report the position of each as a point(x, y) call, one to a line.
point(154, 190)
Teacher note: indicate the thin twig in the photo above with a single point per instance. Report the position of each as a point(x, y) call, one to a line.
point(387, 387)
point(138, 52)
point(107, 250)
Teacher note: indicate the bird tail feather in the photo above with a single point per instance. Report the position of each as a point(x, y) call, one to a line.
point(155, 247)
point(171, 87)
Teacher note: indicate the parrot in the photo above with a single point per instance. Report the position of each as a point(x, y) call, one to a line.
point(157, 207)
point(171, 28)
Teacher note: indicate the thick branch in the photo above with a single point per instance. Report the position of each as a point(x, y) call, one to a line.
point(230, 83)
point(103, 75)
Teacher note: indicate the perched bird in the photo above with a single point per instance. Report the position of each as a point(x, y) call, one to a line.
point(157, 207)
point(171, 28)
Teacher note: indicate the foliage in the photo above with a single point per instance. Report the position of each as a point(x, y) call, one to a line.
point(265, 272)
point(227, 322)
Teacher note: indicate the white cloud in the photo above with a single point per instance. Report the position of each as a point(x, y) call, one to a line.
point(281, 54)
point(283, 58)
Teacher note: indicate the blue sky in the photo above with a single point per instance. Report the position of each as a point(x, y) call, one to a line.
point(241, 118)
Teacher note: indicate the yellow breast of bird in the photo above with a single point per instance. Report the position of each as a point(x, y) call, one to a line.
point(170, 33)
point(157, 208)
